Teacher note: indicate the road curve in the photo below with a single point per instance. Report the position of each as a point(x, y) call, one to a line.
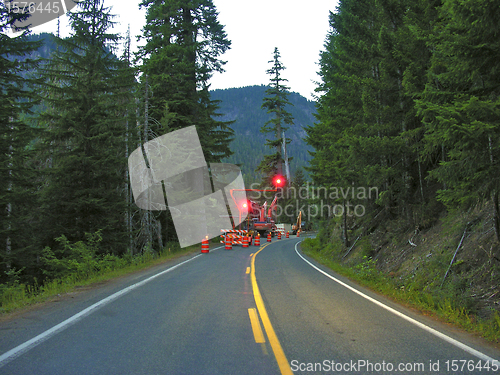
point(202, 315)
point(325, 327)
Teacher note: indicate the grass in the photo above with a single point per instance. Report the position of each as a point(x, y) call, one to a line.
point(410, 293)
point(18, 296)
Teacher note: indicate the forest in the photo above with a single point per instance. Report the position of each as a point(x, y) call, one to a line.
point(408, 103)
point(71, 119)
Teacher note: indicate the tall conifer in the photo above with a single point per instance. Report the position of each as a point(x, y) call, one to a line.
point(275, 103)
point(85, 132)
point(183, 49)
point(184, 44)
point(18, 182)
point(461, 104)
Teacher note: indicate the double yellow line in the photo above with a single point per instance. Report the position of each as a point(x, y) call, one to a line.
point(273, 339)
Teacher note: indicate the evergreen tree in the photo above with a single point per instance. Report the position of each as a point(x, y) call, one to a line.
point(461, 104)
point(85, 133)
point(368, 132)
point(18, 182)
point(184, 43)
point(131, 141)
point(275, 103)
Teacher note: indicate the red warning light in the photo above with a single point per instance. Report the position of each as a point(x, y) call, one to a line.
point(279, 181)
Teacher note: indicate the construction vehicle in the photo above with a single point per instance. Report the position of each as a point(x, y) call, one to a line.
point(262, 217)
point(297, 227)
point(259, 221)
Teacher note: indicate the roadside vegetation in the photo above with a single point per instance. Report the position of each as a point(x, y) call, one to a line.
point(409, 106)
point(72, 265)
point(443, 270)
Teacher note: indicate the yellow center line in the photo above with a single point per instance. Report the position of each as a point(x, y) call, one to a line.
point(248, 270)
point(257, 330)
point(271, 335)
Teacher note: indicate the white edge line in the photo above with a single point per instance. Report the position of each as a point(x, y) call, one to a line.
point(442, 336)
point(30, 344)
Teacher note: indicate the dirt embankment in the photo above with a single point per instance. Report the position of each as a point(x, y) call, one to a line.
point(457, 255)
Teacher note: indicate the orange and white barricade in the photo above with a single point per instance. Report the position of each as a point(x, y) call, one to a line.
point(229, 243)
point(256, 242)
point(236, 235)
point(204, 245)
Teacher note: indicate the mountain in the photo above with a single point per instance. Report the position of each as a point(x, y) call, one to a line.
point(243, 106)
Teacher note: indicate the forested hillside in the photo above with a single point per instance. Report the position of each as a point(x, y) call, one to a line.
point(243, 106)
point(410, 106)
point(71, 114)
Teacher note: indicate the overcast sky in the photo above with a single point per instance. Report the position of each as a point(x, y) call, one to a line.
point(298, 28)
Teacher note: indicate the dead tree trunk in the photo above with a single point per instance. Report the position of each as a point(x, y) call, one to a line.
point(149, 229)
point(345, 234)
point(496, 215)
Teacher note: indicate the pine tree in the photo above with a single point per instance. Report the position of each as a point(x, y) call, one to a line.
point(461, 104)
point(368, 132)
point(85, 133)
point(131, 137)
point(18, 182)
point(275, 103)
point(184, 43)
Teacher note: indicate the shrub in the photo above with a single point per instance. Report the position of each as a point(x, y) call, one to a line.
point(72, 259)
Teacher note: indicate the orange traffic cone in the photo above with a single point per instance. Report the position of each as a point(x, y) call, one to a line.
point(256, 242)
point(229, 243)
point(245, 241)
point(298, 233)
point(279, 235)
point(269, 237)
point(204, 245)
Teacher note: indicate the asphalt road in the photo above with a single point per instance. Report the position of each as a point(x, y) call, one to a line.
point(242, 311)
